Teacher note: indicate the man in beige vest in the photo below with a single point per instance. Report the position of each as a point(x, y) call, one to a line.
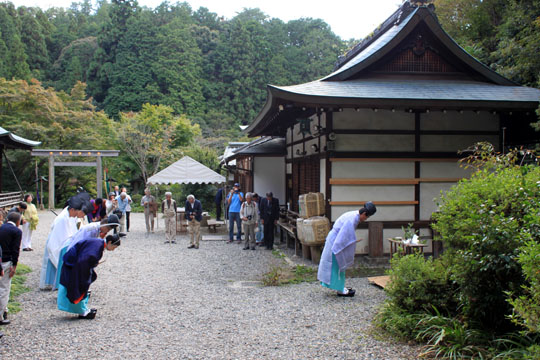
point(148, 202)
point(168, 207)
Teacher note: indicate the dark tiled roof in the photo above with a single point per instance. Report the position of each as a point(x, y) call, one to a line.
point(11, 140)
point(415, 89)
point(263, 146)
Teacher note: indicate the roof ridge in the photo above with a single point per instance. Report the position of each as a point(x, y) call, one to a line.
point(395, 19)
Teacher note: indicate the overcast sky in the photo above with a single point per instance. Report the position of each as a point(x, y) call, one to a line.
point(347, 18)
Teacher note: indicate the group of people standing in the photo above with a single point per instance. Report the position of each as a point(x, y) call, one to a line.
point(254, 216)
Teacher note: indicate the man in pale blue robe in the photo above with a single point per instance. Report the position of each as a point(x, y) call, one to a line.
point(339, 249)
point(63, 227)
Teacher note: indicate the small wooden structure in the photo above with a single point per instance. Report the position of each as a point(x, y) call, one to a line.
point(97, 154)
point(8, 140)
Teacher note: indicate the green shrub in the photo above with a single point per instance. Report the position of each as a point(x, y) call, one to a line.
point(397, 322)
point(483, 223)
point(418, 285)
point(449, 338)
point(527, 306)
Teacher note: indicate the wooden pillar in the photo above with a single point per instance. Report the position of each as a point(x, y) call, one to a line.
point(51, 181)
point(99, 177)
point(375, 229)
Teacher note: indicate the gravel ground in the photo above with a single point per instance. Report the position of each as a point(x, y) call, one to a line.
point(165, 301)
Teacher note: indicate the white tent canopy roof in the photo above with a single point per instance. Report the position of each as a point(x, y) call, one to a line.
point(186, 171)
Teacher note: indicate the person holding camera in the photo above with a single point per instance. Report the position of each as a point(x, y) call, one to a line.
point(235, 199)
point(249, 213)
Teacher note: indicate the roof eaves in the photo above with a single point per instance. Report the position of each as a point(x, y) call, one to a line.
point(434, 25)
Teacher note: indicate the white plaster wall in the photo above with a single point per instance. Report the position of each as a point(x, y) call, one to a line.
point(362, 247)
point(388, 143)
point(429, 194)
point(454, 143)
point(269, 175)
point(322, 176)
point(372, 170)
point(443, 170)
point(369, 119)
point(384, 212)
point(289, 168)
point(372, 192)
point(453, 120)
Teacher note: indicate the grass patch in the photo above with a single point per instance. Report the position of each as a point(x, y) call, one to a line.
point(277, 253)
point(278, 276)
point(17, 287)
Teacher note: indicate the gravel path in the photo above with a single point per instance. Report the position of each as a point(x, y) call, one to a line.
point(161, 301)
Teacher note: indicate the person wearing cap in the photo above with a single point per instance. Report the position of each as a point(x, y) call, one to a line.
point(77, 271)
point(168, 208)
point(235, 200)
point(148, 201)
point(63, 227)
point(249, 213)
point(339, 249)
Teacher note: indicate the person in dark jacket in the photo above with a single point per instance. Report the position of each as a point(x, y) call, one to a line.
point(77, 273)
point(269, 210)
point(10, 242)
point(194, 216)
point(218, 200)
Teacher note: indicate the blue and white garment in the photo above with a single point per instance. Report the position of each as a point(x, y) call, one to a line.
point(339, 250)
point(62, 229)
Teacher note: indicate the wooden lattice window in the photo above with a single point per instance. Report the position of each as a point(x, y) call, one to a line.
point(409, 61)
point(305, 179)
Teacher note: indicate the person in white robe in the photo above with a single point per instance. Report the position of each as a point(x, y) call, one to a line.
point(63, 227)
point(339, 249)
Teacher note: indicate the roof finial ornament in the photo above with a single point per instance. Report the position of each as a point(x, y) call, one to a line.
point(419, 3)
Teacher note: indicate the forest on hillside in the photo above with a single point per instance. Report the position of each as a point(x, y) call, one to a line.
point(101, 74)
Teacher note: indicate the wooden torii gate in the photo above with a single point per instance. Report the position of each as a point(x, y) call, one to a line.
point(98, 154)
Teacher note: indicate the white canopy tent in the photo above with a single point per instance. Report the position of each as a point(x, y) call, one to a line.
point(186, 171)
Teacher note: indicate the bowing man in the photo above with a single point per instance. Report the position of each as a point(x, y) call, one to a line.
point(63, 227)
point(339, 249)
point(77, 273)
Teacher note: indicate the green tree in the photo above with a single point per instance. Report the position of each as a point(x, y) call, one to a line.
point(59, 120)
point(13, 60)
point(151, 136)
